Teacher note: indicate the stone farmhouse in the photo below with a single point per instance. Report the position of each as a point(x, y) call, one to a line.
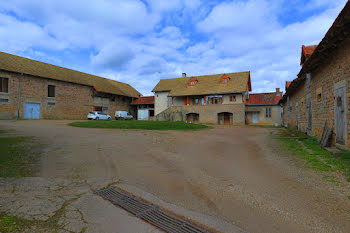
point(31, 89)
point(319, 97)
point(264, 108)
point(218, 99)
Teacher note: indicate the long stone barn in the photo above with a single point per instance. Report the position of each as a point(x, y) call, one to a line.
point(31, 89)
point(319, 97)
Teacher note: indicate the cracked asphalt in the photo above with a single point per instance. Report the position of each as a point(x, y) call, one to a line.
point(65, 205)
point(239, 175)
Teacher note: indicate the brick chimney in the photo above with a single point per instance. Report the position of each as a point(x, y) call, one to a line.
point(184, 75)
point(277, 90)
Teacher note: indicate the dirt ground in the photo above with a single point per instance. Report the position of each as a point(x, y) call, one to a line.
point(238, 174)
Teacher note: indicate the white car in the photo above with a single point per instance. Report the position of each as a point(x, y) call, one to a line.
point(95, 115)
point(123, 115)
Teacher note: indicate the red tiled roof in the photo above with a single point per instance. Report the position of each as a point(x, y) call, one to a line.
point(144, 100)
point(306, 52)
point(264, 98)
point(288, 84)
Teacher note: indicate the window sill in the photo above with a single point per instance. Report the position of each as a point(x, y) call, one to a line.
point(4, 93)
point(51, 98)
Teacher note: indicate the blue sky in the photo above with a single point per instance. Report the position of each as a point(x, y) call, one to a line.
point(142, 41)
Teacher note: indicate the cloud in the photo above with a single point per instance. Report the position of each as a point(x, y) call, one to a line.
point(16, 36)
point(112, 56)
point(141, 41)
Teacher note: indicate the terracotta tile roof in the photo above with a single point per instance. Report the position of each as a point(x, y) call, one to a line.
point(144, 100)
point(306, 52)
point(337, 33)
point(288, 84)
point(23, 65)
point(206, 84)
point(264, 98)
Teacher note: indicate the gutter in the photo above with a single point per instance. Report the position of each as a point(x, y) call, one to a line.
point(19, 95)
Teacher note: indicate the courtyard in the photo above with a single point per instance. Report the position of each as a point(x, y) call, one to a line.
point(237, 176)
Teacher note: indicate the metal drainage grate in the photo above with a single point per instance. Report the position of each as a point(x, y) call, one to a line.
point(149, 213)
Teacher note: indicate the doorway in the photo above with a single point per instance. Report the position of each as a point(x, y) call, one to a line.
point(225, 118)
point(31, 111)
point(339, 111)
point(255, 117)
point(192, 117)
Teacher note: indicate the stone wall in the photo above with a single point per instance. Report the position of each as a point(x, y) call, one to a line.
point(275, 118)
point(71, 101)
point(207, 113)
point(323, 80)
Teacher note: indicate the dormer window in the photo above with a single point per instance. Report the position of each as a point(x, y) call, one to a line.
point(224, 79)
point(192, 82)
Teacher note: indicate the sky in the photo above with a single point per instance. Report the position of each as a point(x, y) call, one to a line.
point(142, 41)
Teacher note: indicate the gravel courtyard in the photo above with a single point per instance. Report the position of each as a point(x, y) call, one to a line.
point(238, 174)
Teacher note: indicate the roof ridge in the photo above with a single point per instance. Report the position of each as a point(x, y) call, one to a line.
point(207, 75)
point(47, 70)
point(61, 67)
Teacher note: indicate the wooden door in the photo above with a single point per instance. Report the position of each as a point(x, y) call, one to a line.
point(339, 115)
point(227, 120)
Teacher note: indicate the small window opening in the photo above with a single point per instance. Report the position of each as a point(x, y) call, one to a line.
point(4, 85)
point(51, 91)
point(232, 98)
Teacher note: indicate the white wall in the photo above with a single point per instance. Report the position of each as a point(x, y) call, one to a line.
point(160, 102)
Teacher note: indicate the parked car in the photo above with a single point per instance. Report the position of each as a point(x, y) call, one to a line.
point(123, 115)
point(95, 115)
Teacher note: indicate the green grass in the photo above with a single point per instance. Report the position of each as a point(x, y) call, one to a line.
point(13, 224)
point(16, 157)
point(317, 158)
point(266, 126)
point(147, 125)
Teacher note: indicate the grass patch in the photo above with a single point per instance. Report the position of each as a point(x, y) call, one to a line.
point(266, 126)
point(310, 151)
point(146, 125)
point(16, 157)
point(9, 223)
point(13, 224)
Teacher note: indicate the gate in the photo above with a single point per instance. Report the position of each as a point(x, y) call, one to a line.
point(31, 111)
point(339, 111)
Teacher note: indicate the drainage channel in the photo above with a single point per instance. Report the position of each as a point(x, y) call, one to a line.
point(149, 212)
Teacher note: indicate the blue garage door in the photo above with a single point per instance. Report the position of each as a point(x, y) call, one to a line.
point(32, 111)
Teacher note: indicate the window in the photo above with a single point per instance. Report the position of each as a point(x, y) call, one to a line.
point(192, 82)
point(215, 100)
point(4, 85)
point(232, 98)
point(51, 104)
point(268, 112)
point(4, 100)
point(51, 91)
point(224, 80)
